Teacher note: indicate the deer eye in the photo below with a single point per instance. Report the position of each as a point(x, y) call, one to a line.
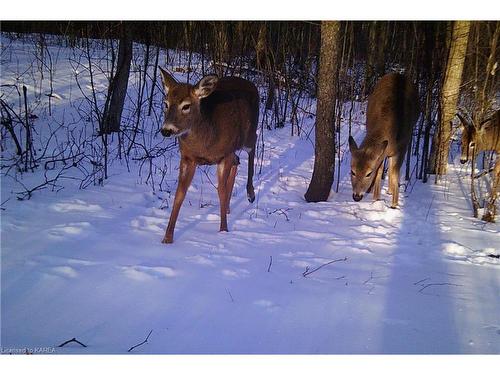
point(352, 173)
point(369, 174)
point(186, 107)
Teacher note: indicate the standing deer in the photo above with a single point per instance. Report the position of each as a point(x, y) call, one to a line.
point(392, 112)
point(484, 137)
point(212, 120)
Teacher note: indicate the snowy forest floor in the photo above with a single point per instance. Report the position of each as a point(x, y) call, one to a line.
point(289, 276)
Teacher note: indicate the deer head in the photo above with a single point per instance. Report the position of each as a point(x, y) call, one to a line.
point(365, 162)
point(182, 103)
point(468, 141)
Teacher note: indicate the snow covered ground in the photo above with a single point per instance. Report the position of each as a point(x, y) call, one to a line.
point(290, 276)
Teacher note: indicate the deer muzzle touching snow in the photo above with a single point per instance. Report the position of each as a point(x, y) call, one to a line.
point(393, 109)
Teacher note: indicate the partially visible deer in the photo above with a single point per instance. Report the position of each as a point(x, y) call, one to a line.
point(393, 109)
point(477, 138)
point(212, 120)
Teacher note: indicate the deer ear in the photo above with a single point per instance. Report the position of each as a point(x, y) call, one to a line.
point(465, 125)
point(206, 86)
point(352, 144)
point(483, 127)
point(168, 80)
point(384, 145)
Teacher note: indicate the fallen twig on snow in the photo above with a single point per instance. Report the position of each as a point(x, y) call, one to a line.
point(72, 340)
point(429, 209)
point(281, 211)
point(142, 343)
point(230, 295)
point(308, 272)
point(437, 284)
point(421, 281)
point(270, 263)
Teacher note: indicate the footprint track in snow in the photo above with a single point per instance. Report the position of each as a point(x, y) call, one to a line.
point(267, 305)
point(147, 273)
point(61, 231)
point(76, 205)
point(62, 271)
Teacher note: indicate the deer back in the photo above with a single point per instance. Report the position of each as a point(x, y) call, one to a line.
point(482, 137)
point(392, 111)
point(489, 133)
point(213, 118)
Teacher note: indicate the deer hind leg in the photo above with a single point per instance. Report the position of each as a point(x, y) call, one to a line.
point(230, 181)
point(223, 170)
point(377, 184)
point(250, 190)
point(391, 161)
point(186, 173)
point(490, 213)
point(394, 167)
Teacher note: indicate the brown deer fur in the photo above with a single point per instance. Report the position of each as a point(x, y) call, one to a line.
point(485, 137)
point(212, 120)
point(393, 109)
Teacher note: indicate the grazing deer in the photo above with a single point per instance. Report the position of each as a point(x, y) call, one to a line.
point(212, 120)
point(393, 109)
point(477, 138)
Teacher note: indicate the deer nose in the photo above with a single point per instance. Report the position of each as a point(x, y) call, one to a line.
point(166, 132)
point(357, 197)
point(463, 161)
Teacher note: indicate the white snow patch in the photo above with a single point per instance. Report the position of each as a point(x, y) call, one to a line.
point(144, 273)
point(64, 271)
point(76, 205)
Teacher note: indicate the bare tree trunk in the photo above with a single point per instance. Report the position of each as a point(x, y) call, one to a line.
point(260, 48)
point(118, 87)
point(376, 54)
point(153, 84)
point(451, 90)
point(221, 53)
point(324, 151)
point(482, 104)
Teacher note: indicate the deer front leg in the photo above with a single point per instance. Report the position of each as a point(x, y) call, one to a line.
point(223, 170)
point(377, 184)
point(490, 213)
point(186, 173)
point(230, 181)
point(250, 189)
point(394, 168)
point(391, 161)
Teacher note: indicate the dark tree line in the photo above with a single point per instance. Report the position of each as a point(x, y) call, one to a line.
point(454, 64)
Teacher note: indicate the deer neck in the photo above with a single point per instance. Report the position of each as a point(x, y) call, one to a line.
point(201, 133)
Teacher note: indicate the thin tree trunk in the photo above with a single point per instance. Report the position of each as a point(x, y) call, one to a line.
point(324, 151)
point(153, 84)
point(119, 83)
point(451, 90)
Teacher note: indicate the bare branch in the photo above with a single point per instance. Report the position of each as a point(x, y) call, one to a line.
point(308, 272)
point(141, 343)
point(72, 340)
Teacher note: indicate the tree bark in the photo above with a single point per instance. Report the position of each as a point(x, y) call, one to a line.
point(450, 92)
point(324, 150)
point(376, 55)
point(118, 86)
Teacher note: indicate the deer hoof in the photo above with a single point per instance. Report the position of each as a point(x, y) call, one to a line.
point(488, 217)
point(251, 196)
point(167, 239)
